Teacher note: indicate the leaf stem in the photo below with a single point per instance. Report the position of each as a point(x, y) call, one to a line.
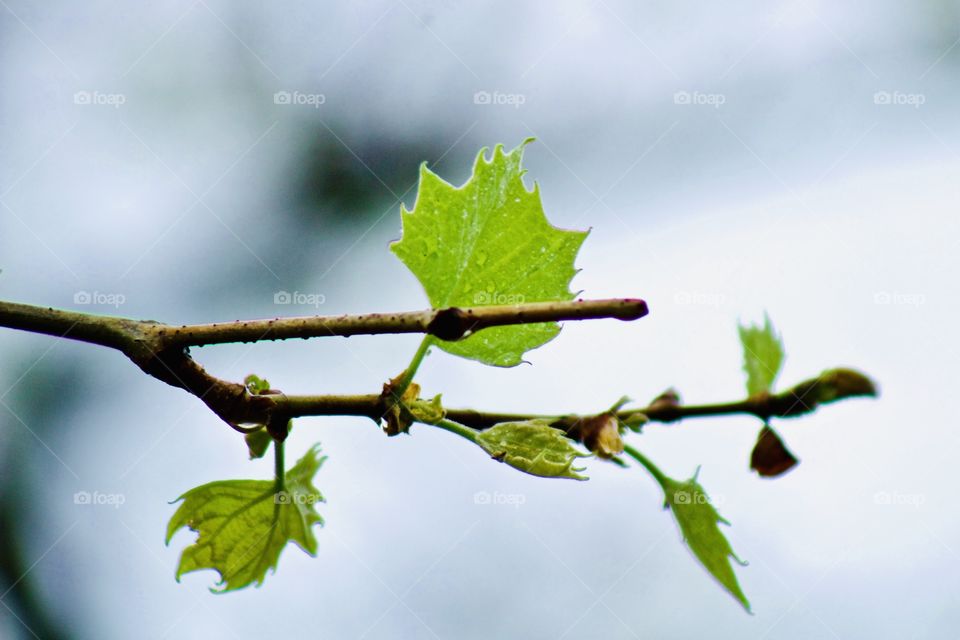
point(412, 368)
point(654, 470)
point(457, 428)
point(278, 467)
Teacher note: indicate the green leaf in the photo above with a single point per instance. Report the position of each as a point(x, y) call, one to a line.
point(243, 525)
point(698, 521)
point(533, 447)
point(427, 411)
point(488, 242)
point(762, 356)
point(257, 443)
point(256, 385)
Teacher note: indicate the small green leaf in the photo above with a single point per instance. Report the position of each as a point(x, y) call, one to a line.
point(635, 421)
point(698, 521)
point(243, 525)
point(488, 242)
point(427, 411)
point(762, 356)
point(257, 443)
point(533, 447)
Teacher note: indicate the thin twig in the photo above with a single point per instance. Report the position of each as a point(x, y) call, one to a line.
point(161, 350)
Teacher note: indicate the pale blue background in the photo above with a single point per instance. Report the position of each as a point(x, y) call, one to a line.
point(197, 199)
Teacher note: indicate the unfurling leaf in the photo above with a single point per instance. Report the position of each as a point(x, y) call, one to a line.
point(533, 447)
point(257, 443)
point(243, 525)
point(698, 520)
point(635, 421)
point(488, 242)
point(256, 385)
point(770, 457)
point(427, 411)
point(762, 356)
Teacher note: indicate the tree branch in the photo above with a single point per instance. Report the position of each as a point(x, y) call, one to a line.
point(452, 323)
point(161, 350)
point(830, 386)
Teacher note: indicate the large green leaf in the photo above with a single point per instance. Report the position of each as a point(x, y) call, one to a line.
point(698, 520)
point(243, 525)
point(533, 447)
point(488, 242)
point(762, 356)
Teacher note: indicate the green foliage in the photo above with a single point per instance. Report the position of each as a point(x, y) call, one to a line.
point(257, 443)
point(427, 411)
point(533, 447)
point(762, 356)
point(256, 385)
point(698, 520)
point(243, 525)
point(488, 242)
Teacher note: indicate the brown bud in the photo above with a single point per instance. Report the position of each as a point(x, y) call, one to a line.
point(601, 434)
point(398, 419)
point(830, 386)
point(770, 457)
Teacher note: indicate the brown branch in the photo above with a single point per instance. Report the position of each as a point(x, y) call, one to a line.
point(161, 350)
point(830, 386)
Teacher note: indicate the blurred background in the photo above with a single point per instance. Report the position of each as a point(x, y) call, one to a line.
point(186, 161)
